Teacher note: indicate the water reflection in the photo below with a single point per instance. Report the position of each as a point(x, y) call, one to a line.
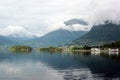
point(80, 74)
point(113, 53)
point(95, 53)
point(59, 66)
point(30, 71)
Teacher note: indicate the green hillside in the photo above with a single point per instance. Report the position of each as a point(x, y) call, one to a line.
point(100, 34)
point(55, 38)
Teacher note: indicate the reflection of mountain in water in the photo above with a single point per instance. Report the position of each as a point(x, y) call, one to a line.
point(76, 66)
point(79, 74)
point(96, 64)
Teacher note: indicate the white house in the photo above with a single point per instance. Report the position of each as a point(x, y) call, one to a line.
point(113, 50)
point(95, 49)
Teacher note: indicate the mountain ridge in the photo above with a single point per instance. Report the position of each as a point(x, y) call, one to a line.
point(56, 38)
point(100, 34)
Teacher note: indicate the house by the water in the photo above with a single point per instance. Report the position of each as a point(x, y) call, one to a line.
point(113, 51)
point(95, 51)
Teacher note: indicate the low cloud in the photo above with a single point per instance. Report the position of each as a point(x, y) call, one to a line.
point(74, 27)
point(104, 10)
point(78, 27)
point(16, 30)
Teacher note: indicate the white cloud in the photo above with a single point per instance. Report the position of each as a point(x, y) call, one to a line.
point(78, 27)
point(16, 30)
point(39, 15)
point(74, 27)
point(30, 71)
point(104, 10)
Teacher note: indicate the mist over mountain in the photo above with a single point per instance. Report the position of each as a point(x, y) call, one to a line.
point(77, 33)
point(19, 39)
point(38, 16)
point(100, 34)
point(61, 36)
point(17, 33)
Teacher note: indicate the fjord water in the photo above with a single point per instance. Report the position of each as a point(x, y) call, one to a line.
point(59, 66)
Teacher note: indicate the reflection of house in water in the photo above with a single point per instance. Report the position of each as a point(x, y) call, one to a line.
point(113, 51)
point(95, 51)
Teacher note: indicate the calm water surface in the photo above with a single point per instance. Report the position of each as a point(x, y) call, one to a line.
point(59, 66)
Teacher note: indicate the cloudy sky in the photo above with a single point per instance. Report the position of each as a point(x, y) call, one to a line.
point(42, 16)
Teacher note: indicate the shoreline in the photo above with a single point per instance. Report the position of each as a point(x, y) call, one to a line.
point(101, 51)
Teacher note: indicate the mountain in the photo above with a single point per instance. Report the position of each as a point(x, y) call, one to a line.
point(75, 21)
point(5, 41)
point(55, 38)
point(20, 38)
point(60, 37)
point(17, 33)
point(100, 34)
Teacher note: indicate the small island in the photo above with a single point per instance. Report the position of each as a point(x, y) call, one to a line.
point(21, 49)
